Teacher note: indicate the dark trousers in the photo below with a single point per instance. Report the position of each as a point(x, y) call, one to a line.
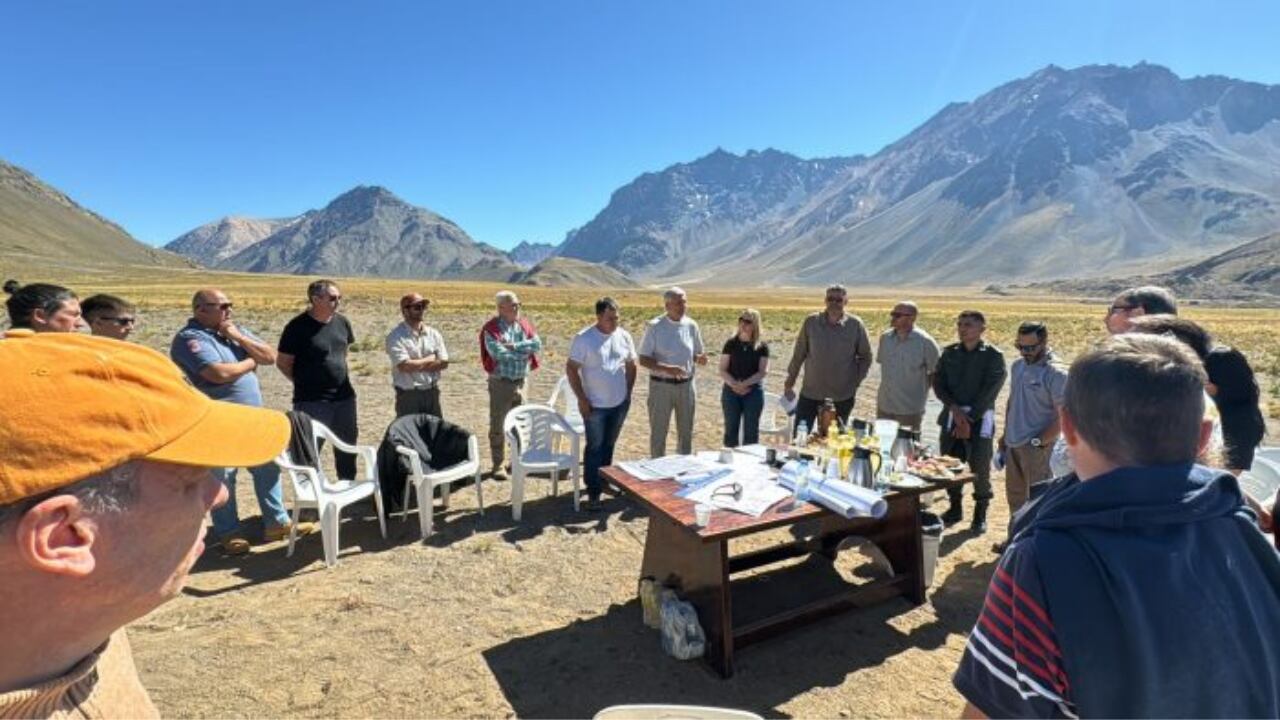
point(424, 401)
point(603, 427)
point(807, 410)
point(742, 415)
point(340, 417)
point(977, 452)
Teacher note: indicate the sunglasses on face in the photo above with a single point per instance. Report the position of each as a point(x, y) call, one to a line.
point(221, 306)
point(968, 324)
point(414, 306)
point(121, 321)
point(901, 314)
point(1121, 308)
point(746, 320)
point(835, 299)
point(1027, 349)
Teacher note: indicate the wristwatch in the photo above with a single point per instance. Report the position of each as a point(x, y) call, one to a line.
point(1036, 442)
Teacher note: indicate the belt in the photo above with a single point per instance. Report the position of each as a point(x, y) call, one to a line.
point(669, 381)
point(416, 389)
point(513, 381)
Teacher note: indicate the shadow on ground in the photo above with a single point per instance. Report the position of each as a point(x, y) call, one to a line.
point(612, 659)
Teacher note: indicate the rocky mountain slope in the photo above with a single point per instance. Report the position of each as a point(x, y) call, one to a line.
point(214, 242)
point(40, 225)
point(527, 254)
point(1060, 174)
point(370, 231)
point(562, 272)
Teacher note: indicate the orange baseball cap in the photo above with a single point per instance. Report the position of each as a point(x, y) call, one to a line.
point(73, 406)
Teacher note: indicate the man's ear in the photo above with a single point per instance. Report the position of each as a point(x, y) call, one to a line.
point(1068, 426)
point(1206, 437)
point(56, 536)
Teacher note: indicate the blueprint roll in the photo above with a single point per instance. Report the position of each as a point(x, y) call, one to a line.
point(840, 497)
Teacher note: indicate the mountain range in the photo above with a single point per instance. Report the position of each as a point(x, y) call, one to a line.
point(1065, 173)
point(527, 254)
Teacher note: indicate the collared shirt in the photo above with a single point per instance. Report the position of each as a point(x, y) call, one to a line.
point(969, 378)
point(511, 363)
point(196, 347)
point(405, 343)
point(1036, 391)
point(835, 356)
point(604, 361)
point(674, 342)
point(103, 685)
point(905, 367)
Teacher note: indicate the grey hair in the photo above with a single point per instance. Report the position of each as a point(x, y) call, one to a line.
point(506, 297)
point(837, 287)
point(673, 292)
point(109, 492)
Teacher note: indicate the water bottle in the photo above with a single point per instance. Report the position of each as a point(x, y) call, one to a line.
point(802, 434)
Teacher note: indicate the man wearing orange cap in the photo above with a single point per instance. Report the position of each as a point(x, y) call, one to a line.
point(104, 487)
point(418, 355)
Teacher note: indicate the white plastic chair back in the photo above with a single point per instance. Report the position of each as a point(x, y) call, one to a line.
point(773, 421)
point(534, 433)
point(568, 407)
point(673, 712)
point(423, 481)
point(313, 489)
point(1261, 479)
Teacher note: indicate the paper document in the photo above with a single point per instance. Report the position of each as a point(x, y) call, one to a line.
point(640, 472)
point(746, 492)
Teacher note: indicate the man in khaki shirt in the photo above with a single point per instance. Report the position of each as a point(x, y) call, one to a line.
point(908, 357)
point(104, 489)
point(834, 351)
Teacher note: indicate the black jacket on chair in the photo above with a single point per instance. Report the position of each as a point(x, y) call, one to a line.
point(439, 443)
point(302, 441)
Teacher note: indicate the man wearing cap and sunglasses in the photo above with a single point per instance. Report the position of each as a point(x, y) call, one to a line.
point(313, 355)
point(418, 355)
point(109, 316)
point(104, 486)
point(220, 359)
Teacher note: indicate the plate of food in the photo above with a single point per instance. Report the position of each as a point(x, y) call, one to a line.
point(933, 468)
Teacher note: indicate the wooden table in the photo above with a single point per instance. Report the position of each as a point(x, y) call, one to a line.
point(696, 561)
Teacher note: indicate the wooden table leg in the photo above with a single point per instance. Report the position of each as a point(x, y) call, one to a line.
point(699, 572)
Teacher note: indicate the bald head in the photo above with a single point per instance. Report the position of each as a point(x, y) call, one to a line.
point(210, 307)
point(903, 317)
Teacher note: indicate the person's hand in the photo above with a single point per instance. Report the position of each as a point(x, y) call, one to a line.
point(700, 358)
point(1211, 389)
point(676, 372)
point(228, 330)
point(584, 408)
point(789, 392)
point(1000, 443)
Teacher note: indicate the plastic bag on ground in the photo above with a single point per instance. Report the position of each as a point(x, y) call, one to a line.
point(682, 636)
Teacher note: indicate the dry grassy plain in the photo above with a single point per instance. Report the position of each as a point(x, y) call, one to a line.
point(494, 618)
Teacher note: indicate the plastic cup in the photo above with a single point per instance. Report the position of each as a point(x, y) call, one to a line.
point(726, 456)
point(701, 515)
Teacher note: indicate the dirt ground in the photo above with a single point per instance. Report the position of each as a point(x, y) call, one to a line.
point(534, 619)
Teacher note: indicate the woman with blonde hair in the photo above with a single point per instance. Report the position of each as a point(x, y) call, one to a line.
point(744, 361)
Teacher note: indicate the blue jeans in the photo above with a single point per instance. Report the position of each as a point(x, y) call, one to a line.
point(266, 485)
point(744, 411)
point(603, 427)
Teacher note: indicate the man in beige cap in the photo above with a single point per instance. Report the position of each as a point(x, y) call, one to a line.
point(104, 488)
point(418, 355)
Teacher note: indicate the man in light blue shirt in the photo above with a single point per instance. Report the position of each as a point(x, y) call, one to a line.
point(219, 359)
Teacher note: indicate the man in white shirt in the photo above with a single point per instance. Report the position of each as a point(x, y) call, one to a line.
point(602, 372)
point(908, 357)
point(417, 355)
point(672, 345)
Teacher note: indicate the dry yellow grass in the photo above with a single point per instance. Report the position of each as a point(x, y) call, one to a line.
point(538, 618)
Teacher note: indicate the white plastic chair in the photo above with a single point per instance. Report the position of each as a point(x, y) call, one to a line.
point(1262, 478)
point(532, 432)
point(569, 402)
point(773, 422)
point(424, 483)
point(673, 712)
point(1269, 453)
point(313, 490)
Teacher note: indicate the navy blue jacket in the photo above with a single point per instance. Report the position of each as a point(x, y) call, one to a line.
point(1142, 592)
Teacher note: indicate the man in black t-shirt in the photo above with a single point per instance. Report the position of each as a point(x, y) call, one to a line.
point(313, 355)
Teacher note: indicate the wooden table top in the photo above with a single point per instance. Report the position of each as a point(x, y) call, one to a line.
point(660, 496)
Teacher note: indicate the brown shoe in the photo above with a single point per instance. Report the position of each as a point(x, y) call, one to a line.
point(234, 544)
point(281, 532)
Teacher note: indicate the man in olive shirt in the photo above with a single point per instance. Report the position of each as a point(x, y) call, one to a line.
point(835, 352)
point(908, 357)
point(970, 375)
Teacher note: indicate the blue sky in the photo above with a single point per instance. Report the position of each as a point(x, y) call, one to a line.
point(518, 119)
